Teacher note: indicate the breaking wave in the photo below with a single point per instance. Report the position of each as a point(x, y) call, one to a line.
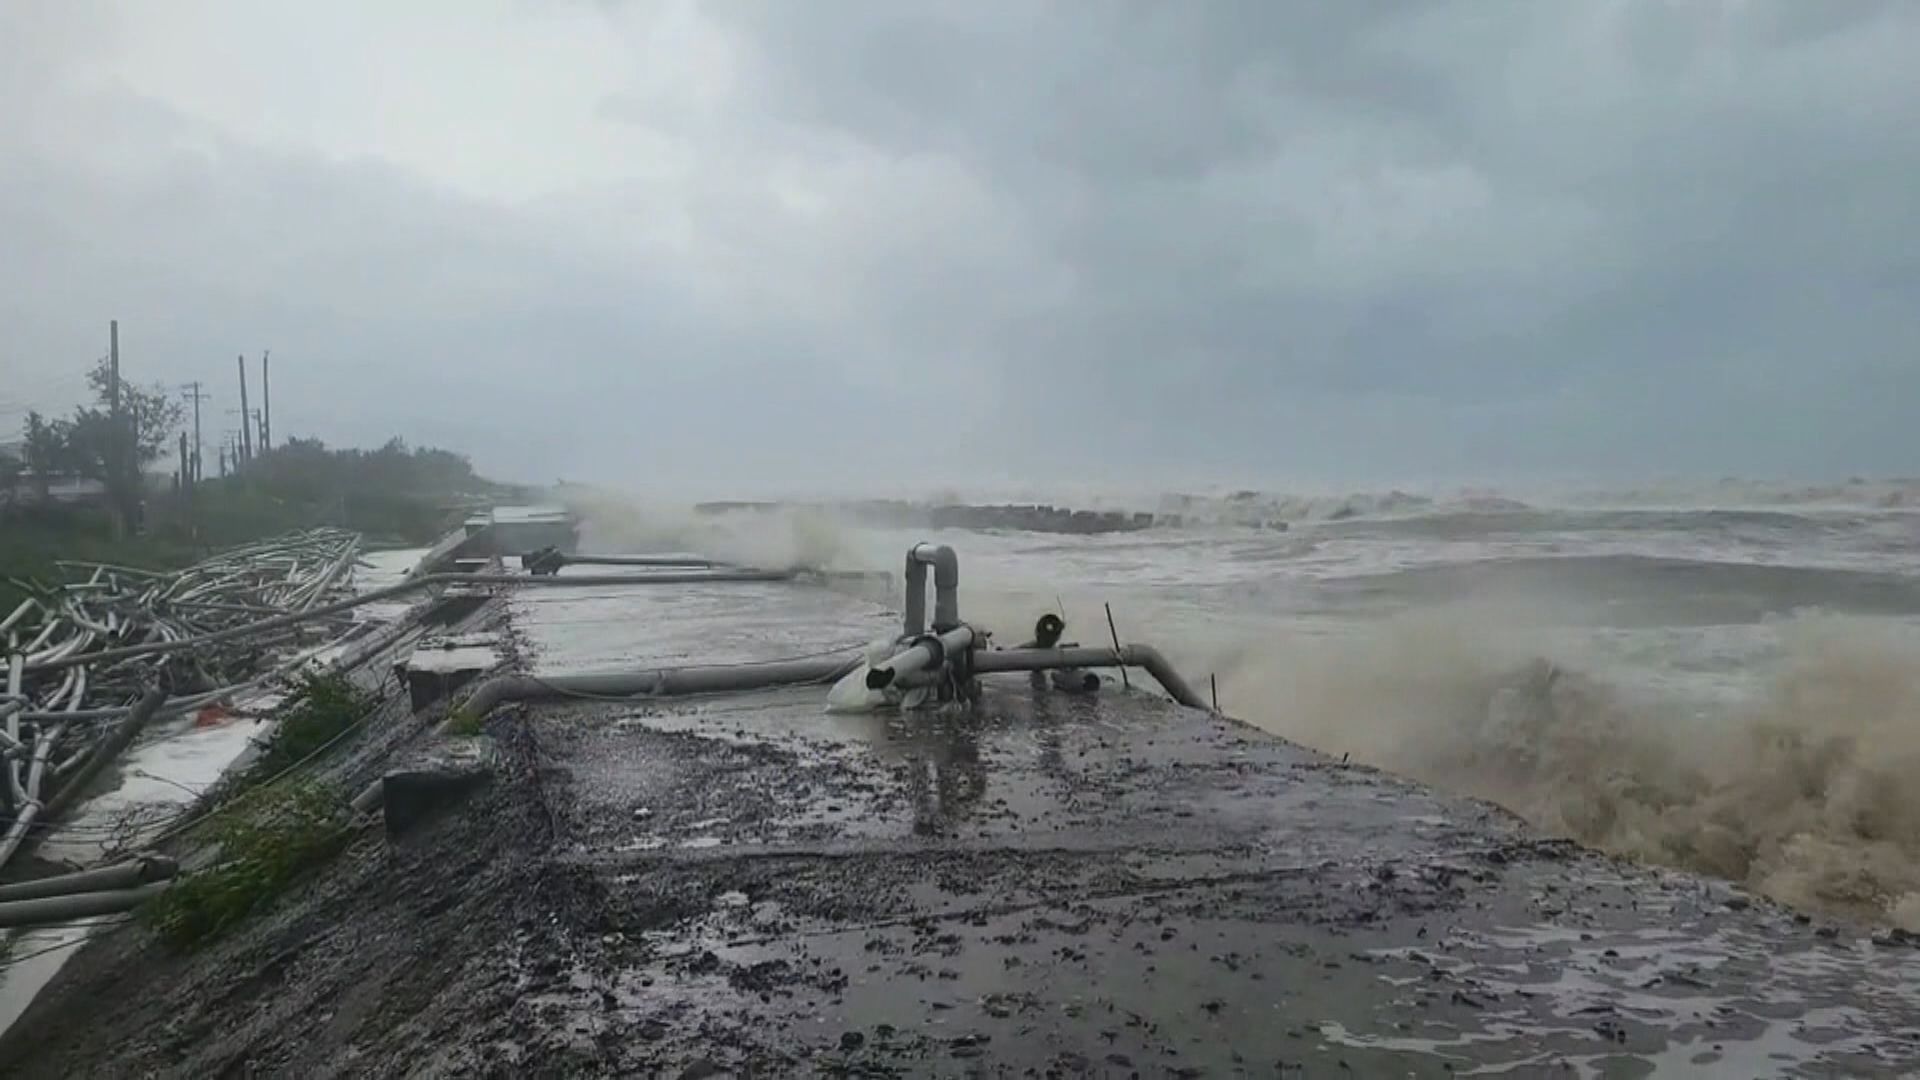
point(785, 538)
point(1803, 793)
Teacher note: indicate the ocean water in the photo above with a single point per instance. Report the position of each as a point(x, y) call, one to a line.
point(1725, 679)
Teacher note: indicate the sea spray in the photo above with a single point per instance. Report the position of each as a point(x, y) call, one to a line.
point(1803, 792)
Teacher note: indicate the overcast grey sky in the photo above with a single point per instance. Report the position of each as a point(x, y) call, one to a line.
point(750, 246)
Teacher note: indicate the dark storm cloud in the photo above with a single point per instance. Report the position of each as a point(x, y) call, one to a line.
point(1246, 239)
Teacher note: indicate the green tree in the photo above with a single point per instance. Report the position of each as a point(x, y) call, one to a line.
point(10, 469)
point(111, 448)
point(48, 450)
point(151, 415)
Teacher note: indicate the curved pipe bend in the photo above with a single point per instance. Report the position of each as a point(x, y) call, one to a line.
point(1140, 656)
point(946, 589)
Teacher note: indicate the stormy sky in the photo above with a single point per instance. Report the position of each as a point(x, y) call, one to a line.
point(746, 247)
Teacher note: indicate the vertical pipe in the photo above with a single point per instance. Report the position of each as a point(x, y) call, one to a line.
point(915, 622)
point(946, 588)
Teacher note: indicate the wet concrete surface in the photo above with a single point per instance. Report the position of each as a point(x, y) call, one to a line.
point(1072, 886)
point(1099, 885)
point(613, 628)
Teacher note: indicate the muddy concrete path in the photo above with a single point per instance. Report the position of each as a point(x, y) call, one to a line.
point(1100, 885)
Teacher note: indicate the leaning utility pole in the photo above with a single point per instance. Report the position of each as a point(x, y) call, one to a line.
point(246, 415)
point(266, 404)
point(191, 392)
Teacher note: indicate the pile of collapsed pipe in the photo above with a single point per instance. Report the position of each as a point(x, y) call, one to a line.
point(80, 656)
point(944, 662)
point(90, 661)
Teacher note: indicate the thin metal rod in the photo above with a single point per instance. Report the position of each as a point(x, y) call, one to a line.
point(1116, 645)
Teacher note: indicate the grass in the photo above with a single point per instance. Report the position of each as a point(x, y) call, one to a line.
point(282, 833)
point(326, 706)
point(466, 723)
point(268, 834)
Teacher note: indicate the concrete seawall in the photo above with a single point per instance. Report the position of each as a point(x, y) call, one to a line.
point(1044, 884)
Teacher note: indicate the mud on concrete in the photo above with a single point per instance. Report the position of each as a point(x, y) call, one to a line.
point(1046, 885)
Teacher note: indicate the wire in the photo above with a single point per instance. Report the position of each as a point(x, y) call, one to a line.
point(195, 792)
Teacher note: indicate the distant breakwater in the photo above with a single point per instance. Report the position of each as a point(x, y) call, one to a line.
point(1031, 517)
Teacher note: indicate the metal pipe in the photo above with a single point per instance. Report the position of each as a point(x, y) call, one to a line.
point(924, 652)
point(134, 570)
point(570, 580)
point(105, 751)
point(352, 658)
point(659, 682)
point(126, 875)
point(1140, 656)
point(913, 611)
point(18, 613)
point(371, 796)
point(55, 909)
point(690, 562)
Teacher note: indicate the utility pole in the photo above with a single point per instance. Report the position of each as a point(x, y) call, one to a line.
point(223, 461)
point(113, 370)
point(266, 404)
point(186, 471)
point(191, 392)
point(116, 479)
point(246, 415)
